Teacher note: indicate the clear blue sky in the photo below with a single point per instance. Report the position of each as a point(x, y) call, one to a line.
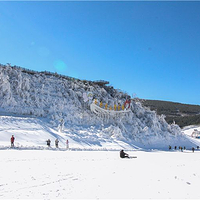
point(151, 49)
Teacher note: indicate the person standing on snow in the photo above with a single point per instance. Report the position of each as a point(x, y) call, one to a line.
point(67, 144)
point(12, 139)
point(193, 149)
point(56, 142)
point(123, 154)
point(48, 142)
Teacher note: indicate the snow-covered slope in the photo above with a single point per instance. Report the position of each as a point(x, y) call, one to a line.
point(32, 105)
point(188, 130)
point(32, 133)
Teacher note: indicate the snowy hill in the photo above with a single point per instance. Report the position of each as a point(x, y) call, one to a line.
point(33, 104)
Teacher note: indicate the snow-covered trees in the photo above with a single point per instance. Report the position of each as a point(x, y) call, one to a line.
point(54, 96)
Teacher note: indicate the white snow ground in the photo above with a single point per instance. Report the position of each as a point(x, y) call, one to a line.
point(33, 171)
point(45, 174)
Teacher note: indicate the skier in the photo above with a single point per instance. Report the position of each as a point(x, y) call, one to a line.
point(175, 147)
point(56, 142)
point(48, 142)
point(12, 139)
point(123, 154)
point(170, 147)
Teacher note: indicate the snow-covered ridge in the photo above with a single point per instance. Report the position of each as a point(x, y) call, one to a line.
point(54, 97)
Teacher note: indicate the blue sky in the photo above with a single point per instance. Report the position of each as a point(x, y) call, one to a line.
point(149, 49)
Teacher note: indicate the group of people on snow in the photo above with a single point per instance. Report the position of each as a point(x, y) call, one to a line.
point(56, 143)
point(122, 153)
point(181, 148)
point(12, 140)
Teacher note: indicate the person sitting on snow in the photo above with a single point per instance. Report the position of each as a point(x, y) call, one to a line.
point(123, 154)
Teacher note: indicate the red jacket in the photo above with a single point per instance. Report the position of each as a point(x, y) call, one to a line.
point(12, 139)
point(127, 102)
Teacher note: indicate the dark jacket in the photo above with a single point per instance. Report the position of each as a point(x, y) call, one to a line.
point(122, 154)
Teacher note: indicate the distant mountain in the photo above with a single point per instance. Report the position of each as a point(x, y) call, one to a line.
point(182, 114)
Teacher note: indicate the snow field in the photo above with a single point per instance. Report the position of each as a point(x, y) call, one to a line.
point(45, 174)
